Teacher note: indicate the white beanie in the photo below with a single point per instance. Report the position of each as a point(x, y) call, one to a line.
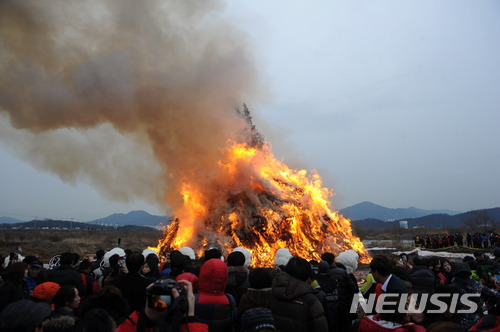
point(118, 251)
point(187, 251)
point(247, 253)
point(148, 251)
point(349, 259)
point(282, 257)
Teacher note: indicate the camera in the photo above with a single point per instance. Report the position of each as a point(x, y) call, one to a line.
point(160, 295)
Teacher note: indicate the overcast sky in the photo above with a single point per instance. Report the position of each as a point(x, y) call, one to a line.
point(393, 102)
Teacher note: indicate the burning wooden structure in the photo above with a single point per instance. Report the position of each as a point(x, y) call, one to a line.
point(256, 202)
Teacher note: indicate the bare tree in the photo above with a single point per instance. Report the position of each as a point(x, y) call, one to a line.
point(481, 221)
point(397, 233)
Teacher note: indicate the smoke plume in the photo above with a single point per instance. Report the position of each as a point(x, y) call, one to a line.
point(130, 96)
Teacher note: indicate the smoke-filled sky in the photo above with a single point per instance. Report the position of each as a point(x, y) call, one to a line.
point(105, 106)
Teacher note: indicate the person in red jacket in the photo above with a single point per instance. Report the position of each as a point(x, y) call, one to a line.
point(214, 306)
point(150, 318)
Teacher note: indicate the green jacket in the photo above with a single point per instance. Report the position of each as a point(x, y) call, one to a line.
point(475, 276)
point(368, 282)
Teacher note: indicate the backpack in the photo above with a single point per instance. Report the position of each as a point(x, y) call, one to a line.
point(91, 285)
point(331, 306)
point(329, 298)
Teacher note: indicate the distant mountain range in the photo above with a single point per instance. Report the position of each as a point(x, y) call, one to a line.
point(365, 214)
point(132, 220)
point(9, 220)
point(369, 210)
point(370, 215)
point(433, 220)
point(66, 224)
point(137, 218)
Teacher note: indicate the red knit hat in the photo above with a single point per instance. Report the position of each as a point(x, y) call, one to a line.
point(45, 290)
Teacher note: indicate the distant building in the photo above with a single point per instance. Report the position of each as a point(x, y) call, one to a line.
point(403, 224)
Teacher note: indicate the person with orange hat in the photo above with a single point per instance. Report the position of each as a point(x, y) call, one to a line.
point(45, 292)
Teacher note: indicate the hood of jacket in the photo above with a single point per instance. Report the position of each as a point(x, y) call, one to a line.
point(193, 279)
point(237, 276)
point(213, 277)
point(286, 287)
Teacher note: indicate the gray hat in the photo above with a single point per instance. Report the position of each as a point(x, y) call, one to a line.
point(36, 263)
point(458, 267)
point(323, 267)
point(23, 316)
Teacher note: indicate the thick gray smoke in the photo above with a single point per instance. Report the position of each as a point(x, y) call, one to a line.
point(130, 96)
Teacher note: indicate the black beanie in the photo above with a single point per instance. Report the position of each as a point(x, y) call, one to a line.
point(177, 260)
point(236, 258)
point(256, 319)
point(213, 253)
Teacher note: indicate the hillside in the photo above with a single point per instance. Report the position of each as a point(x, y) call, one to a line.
point(68, 225)
point(367, 210)
point(9, 220)
point(431, 221)
point(138, 218)
point(132, 220)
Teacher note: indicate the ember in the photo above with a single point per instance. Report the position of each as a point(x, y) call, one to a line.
point(256, 202)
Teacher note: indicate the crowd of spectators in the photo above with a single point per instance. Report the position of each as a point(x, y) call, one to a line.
point(456, 282)
point(121, 290)
point(472, 240)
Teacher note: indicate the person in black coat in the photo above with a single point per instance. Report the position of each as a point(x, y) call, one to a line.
point(237, 279)
point(420, 277)
point(65, 274)
point(381, 267)
point(346, 290)
point(133, 284)
point(293, 303)
point(14, 287)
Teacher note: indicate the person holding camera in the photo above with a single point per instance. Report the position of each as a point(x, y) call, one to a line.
point(169, 307)
point(132, 284)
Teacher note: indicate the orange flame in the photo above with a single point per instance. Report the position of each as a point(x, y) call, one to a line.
point(258, 203)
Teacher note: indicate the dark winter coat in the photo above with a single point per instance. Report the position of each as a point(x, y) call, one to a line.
point(254, 298)
point(237, 282)
point(422, 280)
point(328, 296)
point(338, 304)
point(346, 287)
point(133, 288)
point(213, 306)
point(12, 291)
point(67, 275)
point(295, 307)
point(63, 311)
point(464, 286)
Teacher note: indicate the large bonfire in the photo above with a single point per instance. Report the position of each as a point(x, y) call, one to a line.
point(157, 81)
point(259, 204)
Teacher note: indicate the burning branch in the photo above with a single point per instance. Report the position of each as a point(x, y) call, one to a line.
point(260, 204)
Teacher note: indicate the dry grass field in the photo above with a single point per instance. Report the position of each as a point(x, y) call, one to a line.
point(48, 243)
